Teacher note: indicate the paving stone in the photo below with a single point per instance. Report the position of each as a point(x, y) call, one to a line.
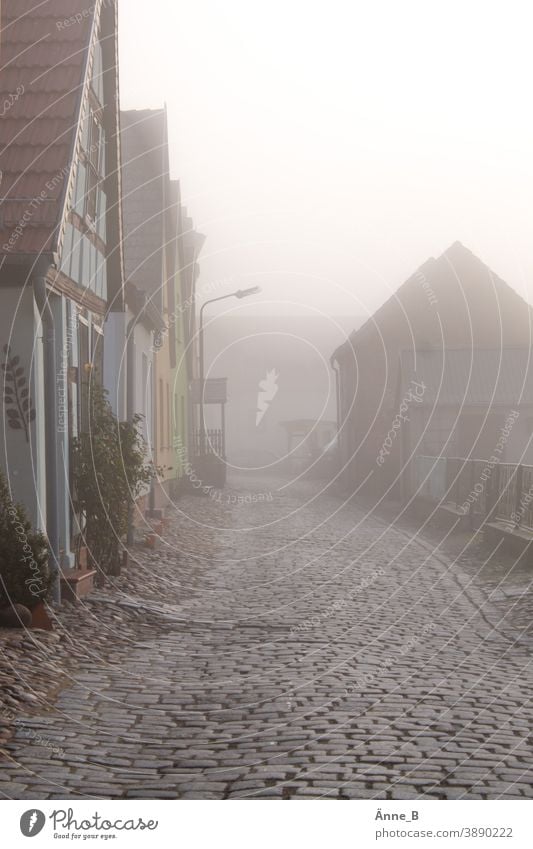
point(240, 692)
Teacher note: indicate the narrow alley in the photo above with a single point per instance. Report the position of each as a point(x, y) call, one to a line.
point(291, 645)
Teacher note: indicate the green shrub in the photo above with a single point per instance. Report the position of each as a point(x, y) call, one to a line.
point(109, 473)
point(24, 572)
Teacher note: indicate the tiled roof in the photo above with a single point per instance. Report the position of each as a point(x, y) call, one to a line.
point(42, 64)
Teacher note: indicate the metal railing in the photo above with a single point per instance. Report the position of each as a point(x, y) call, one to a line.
point(211, 441)
point(481, 489)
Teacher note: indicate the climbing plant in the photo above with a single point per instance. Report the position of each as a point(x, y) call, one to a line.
point(18, 404)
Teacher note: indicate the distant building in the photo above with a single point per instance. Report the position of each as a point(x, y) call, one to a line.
point(436, 370)
point(307, 440)
point(278, 370)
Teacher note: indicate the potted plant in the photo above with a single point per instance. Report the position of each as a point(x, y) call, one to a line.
point(110, 472)
point(25, 578)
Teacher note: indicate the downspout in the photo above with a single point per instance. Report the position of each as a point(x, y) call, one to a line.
point(50, 407)
point(130, 390)
point(155, 424)
point(130, 366)
point(335, 366)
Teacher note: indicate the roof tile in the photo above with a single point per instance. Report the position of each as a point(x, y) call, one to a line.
point(48, 60)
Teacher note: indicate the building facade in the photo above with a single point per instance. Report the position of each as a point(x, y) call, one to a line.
point(161, 249)
point(417, 376)
point(61, 270)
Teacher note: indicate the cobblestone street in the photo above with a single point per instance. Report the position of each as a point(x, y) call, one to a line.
point(292, 646)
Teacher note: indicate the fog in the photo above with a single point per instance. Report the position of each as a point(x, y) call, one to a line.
point(267, 512)
point(295, 352)
point(327, 151)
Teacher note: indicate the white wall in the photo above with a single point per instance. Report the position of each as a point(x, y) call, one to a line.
point(115, 365)
point(143, 403)
point(22, 461)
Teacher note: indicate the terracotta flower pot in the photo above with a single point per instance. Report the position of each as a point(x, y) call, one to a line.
point(40, 618)
point(151, 540)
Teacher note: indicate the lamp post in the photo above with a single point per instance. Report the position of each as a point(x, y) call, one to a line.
point(240, 293)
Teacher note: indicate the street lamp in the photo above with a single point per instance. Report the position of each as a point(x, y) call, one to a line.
point(240, 293)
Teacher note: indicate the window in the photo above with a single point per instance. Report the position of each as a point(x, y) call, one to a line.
point(84, 374)
point(81, 190)
point(145, 401)
point(97, 81)
point(144, 386)
point(93, 167)
point(98, 354)
point(169, 417)
point(183, 433)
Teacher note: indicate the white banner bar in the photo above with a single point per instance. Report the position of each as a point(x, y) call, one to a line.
point(265, 824)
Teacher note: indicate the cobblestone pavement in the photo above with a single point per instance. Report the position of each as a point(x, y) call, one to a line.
point(293, 646)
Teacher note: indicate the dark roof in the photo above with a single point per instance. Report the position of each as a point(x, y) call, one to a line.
point(483, 377)
point(215, 390)
point(145, 186)
point(45, 62)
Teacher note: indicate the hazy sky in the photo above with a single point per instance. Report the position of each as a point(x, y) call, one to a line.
point(327, 149)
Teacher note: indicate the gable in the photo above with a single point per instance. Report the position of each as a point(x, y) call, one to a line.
point(452, 301)
point(91, 243)
point(85, 237)
point(62, 183)
point(42, 74)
